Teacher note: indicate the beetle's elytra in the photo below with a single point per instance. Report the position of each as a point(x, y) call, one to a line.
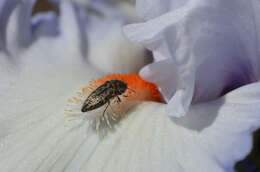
point(103, 94)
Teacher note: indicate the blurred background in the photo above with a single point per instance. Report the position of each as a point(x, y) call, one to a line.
point(249, 164)
point(44, 5)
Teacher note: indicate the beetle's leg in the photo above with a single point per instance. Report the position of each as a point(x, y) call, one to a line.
point(105, 116)
point(107, 120)
point(114, 116)
point(111, 108)
point(118, 99)
point(106, 108)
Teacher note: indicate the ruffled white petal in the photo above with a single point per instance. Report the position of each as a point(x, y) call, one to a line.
point(213, 46)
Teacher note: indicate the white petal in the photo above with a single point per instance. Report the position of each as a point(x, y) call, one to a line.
point(148, 140)
point(33, 96)
point(111, 52)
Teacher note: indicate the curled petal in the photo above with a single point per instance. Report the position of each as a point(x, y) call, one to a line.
point(161, 68)
point(156, 41)
point(203, 46)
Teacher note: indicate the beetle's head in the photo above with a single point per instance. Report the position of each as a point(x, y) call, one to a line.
point(121, 87)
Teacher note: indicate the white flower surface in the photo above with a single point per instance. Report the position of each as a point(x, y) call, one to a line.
point(37, 80)
point(211, 46)
point(108, 46)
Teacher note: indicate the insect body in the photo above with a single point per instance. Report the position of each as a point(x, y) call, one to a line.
point(103, 94)
point(106, 93)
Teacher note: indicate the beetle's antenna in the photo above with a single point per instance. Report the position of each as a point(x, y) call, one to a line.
point(131, 89)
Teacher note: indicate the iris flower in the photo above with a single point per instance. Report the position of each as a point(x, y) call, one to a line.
point(205, 64)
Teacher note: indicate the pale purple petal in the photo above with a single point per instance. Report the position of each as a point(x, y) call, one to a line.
point(225, 125)
point(162, 68)
point(214, 46)
point(155, 39)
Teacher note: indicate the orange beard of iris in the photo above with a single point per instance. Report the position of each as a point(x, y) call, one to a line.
point(143, 90)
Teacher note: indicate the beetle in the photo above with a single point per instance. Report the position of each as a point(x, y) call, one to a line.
point(104, 94)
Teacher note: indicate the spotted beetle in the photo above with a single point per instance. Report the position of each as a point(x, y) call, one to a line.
point(103, 94)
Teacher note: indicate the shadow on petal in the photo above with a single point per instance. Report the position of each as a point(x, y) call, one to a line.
point(195, 120)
